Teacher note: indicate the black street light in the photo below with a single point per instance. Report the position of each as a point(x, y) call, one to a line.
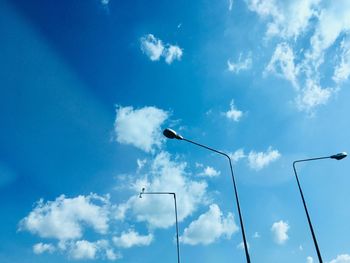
point(171, 134)
point(177, 226)
point(338, 156)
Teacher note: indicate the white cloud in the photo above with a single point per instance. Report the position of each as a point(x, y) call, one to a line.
point(344, 258)
point(131, 238)
point(241, 64)
point(210, 172)
point(342, 70)
point(83, 249)
point(233, 113)
point(171, 53)
point(282, 64)
point(259, 160)
point(237, 155)
point(140, 127)
point(287, 19)
point(309, 260)
point(65, 218)
point(155, 49)
point(40, 248)
point(280, 231)
point(209, 227)
point(325, 25)
point(313, 95)
point(170, 176)
point(140, 163)
point(105, 2)
point(152, 47)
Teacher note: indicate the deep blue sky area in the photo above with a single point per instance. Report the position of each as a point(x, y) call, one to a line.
point(87, 86)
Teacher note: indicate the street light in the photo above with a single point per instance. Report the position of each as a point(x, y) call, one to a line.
point(171, 134)
point(177, 227)
point(338, 156)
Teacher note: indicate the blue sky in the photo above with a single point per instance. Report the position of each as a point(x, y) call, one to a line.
point(87, 87)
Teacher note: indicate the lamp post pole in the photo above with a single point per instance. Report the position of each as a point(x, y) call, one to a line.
point(173, 135)
point(338, 156)
point(176, 221)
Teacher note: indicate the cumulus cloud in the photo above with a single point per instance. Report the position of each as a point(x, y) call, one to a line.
point(280, 232)
point(131, 238)
point(155, 49)
point(210, 172)
point(209, 227)
point(259, 160)
point(282, 64)
point(172, 53)
point(309, 260)
point(41, 248)
point(344, 258)
point(233, 113)
point(241, 64)
point(152, 47)
point(83, 249)
point(66, 218)
point(164, 175)
point(140, 127)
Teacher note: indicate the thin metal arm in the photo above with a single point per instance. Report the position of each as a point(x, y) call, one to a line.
point(235, 190)
point(305, 207)
point(176, 221)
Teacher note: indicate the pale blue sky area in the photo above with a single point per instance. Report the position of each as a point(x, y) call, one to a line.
point(87, 86)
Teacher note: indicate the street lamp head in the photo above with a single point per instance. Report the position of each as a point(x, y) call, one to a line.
point(143, 190)
point(171, 134)
point(339, 156)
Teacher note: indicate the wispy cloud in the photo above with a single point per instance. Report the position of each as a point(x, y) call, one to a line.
point(319, 24)
point(140, 127)
point(230, 5)
point(209, 227)
point(280, 232)
point(309, 260)
point(241, 65)
point(155, 49)
point(41, 248)
point(237, 155)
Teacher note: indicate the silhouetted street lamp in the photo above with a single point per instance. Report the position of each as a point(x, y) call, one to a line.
point(177, 227)
point(171, 134)
point(338, 156)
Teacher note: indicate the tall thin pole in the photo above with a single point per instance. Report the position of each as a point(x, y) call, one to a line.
point(305, 207)
point(235, 190)
point(176, 220)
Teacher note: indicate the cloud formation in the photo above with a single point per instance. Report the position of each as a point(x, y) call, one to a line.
point(343, 258)
point(325, 26)
point(259, 160)
point(66, 218)
point(233, 113)
point(41, 248)
point(131, 238)
point(209, 172)
point(155, 49)
point(241, 64)
point(169, 176)
point(140, 127)
point(280, 232)
point(209, 227)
